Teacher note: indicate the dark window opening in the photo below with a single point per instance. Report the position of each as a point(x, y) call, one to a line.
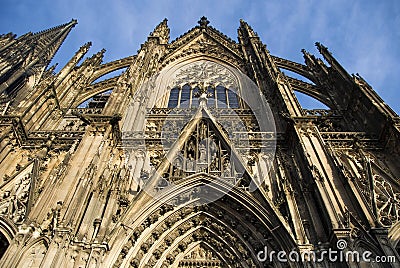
point(3, 244)
point(221, 97)
point(173, 98)
point(195, 97)
point(211, 97)
point(98, 101)
point(233, 99)
point(187, 97)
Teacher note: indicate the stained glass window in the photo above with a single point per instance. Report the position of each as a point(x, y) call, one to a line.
point(173, 98)
point(219, 97)
point(233, 99)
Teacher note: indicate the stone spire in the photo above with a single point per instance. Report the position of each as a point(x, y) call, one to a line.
point(332, 61)
point(73, 62)
point(95, 59)
point(20, 55)
point(48, 42)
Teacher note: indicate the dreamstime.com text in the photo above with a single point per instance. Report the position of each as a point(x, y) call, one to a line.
point(329, 255)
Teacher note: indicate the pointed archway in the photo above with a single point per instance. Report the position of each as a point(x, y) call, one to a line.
point(199, 192)
point(237, 226)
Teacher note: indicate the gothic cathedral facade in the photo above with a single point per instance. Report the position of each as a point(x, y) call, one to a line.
point(197, 154)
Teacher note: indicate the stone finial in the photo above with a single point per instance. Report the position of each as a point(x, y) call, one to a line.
point(203, 22)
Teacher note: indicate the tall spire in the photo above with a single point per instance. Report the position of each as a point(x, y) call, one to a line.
point(49, 41)
point(20, 55)
point(162, 32)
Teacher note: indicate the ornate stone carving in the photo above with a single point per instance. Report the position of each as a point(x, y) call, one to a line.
point(14, 198)
point(204, 73)
point(387, 201)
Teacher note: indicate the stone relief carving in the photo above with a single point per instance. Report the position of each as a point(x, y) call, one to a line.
point(203, 74)
point(14, 198)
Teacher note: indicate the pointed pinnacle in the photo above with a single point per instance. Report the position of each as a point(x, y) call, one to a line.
point(321, 48)
point(161, 31)
point(245, 26)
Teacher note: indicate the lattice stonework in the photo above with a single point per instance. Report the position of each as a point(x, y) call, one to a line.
point(387, 201)
point(204, 73)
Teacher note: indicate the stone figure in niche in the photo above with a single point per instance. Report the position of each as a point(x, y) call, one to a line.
point(203, 153)
point(176, 172)
point(227, 168)
point(190, 163)
point(214, 163)
point(213, 146)
point(178, 163)
point(203, 131)
point(191, 148)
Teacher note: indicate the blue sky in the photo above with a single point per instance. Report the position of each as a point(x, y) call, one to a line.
point(363, 35)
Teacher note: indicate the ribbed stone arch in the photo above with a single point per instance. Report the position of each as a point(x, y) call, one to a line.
point(111, 67)
point(295, 67)
point(34, 253)
point(7, 228)
point(230, 255)
point(215, 225)
point(236, 208)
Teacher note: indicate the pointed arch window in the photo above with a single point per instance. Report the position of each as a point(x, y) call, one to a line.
point(221, 97)
point(233, 101)
point(195, 93)
point(218, 97)
point(211, 97)
point(185, 96)
point(173, 98)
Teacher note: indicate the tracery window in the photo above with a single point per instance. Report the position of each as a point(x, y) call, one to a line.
point(218, 97)
point(203, 151)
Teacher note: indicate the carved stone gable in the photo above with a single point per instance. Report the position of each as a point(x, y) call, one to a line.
point(203, 44)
